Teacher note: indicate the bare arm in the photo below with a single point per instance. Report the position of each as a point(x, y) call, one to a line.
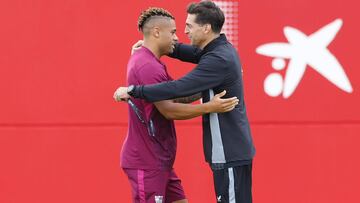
point(177, 111)
point(189, 99)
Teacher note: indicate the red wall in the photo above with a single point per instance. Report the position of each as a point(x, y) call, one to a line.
point(61, 133)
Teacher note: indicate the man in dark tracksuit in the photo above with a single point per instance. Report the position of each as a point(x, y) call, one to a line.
point(228, 145)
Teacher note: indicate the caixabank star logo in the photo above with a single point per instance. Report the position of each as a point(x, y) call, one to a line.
point(303, 52)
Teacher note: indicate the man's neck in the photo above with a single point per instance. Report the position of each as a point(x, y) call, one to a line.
point(153, 48)
point(208, 40)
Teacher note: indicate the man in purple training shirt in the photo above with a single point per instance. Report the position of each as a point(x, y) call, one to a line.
point(149, 150)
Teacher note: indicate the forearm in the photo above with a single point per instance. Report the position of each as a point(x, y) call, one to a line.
point(171, 90)
point(186, 53)
point(208, 74)
point(178, 111)
point(189, 99)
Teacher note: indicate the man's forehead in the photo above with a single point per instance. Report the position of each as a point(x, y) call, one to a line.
point(190, 18)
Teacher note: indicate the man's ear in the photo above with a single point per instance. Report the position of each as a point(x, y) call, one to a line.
point(207, 28)
point(156, 32)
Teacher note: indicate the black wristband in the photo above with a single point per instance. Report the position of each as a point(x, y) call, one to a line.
point(136, 91)
point(130, 90)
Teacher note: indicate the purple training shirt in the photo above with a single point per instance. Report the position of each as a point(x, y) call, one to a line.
point(140, 150)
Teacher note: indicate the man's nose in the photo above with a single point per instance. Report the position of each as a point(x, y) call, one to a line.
point(176, 38)
point(186, 30)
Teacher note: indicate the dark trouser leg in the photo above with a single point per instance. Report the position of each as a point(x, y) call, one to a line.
point(233, 185)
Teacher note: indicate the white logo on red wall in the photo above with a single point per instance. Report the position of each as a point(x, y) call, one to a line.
point(303, 51)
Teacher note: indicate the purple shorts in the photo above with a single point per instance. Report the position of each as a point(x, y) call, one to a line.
point(150, 185)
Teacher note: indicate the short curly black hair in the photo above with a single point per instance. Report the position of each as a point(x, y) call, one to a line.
point(150, 12)
point(207, 12)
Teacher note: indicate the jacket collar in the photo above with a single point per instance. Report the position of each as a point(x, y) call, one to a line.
point(215, 42)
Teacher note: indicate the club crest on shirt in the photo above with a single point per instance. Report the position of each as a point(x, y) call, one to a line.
point(159, 199)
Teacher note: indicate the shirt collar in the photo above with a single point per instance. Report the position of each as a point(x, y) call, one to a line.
point(150, 53)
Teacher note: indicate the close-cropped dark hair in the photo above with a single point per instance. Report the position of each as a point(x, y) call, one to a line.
point(207, 12)
point(150, 12)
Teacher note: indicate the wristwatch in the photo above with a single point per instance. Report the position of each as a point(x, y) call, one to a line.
point(131, 90)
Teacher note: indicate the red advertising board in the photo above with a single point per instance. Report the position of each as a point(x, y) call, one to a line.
point(61, 132)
